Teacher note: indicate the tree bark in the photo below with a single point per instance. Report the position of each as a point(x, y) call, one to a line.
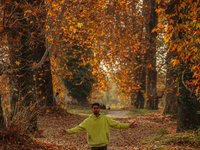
point(151, 60)
point(43, 77)
point(171, 99)
point(23, 43)
point(188, 105)
point(2, 123)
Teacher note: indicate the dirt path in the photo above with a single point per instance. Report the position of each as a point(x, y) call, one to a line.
point(117, 114)
point(52, 123)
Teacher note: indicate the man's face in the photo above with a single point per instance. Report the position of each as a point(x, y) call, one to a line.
point(95, 109)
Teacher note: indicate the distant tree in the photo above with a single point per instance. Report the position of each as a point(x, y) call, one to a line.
point(79, 79)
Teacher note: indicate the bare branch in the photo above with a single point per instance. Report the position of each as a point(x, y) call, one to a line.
point(182, 80)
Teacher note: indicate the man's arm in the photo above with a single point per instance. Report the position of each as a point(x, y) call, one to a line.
point(117, 125)
point(77, 129)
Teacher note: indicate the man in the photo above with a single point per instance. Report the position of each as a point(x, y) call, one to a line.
point(97, 127)
point(57, 98)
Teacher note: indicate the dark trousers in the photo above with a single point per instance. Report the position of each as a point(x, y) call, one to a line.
point(99, 148)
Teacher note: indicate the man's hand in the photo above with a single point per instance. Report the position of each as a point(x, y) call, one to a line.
point(63, 132)
point(133, 125)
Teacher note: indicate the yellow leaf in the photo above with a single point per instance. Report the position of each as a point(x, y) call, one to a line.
point(197, 25)
point(47, 27)
point(79, 25)
point(71, 27)
point(29, 91)
point(17, 63)
point(15, 89)
point(26, 12)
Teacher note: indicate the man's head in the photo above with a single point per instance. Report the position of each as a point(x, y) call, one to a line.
point(95, 108)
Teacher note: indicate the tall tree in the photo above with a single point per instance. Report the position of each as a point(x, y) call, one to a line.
point(170, 98)
point(151, 22)
point(182, 17)
point(29, 59)
point(21, 59)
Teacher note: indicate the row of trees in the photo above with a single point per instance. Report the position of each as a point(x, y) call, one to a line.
point(94, 42)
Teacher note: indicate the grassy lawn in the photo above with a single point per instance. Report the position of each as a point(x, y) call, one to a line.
point(133, 112)
point(82, 110)
point(185, 140)
point(87, 110)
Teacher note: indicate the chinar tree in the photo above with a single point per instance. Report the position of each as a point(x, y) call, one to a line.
point(29, 74)
point(78, 79)
point(182, 36)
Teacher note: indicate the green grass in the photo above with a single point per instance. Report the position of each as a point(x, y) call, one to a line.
point(186, 139)
point(82, 110)
point(133, 112)
point(87, 110)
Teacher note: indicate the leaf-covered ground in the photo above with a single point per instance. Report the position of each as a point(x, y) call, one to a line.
point(148, 126)
point(150, 133)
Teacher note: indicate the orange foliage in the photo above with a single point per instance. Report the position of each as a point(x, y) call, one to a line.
point(111, 39)
point(187, 47)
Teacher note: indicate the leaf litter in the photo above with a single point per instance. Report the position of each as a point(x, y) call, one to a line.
point(51, 122)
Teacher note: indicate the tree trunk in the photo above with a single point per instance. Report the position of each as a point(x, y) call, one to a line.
point(188, 105)
point(23, 44)
point(43, 77)
point(2, 123)
point(171, 99)
point(151, 60)
point(141, 76)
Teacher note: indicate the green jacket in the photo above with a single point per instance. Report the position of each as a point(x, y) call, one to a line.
point(98, 131)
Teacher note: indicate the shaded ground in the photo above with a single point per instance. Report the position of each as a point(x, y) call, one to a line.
point(148, 125)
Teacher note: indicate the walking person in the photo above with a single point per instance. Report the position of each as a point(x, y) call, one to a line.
point(97, 127)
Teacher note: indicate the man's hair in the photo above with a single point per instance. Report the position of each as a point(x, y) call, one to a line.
point(95, 104)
